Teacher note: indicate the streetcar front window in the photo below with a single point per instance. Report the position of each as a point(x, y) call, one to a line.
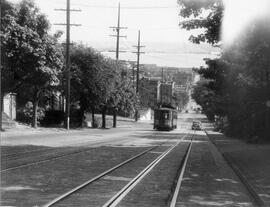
point(166, 115)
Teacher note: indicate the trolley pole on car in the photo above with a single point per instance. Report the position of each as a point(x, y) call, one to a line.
point(138, 52)
point(68, 10)
point(117, 51)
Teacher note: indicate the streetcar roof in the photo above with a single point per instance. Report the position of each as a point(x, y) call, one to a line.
point(165, 109)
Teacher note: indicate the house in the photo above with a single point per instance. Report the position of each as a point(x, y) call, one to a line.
point(9, 105)
point(166, 92)
point(149, 90)
point(9, 111)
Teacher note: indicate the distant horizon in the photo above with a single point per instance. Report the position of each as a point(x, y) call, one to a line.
point(155, 46)
point(187, 60)
point(183, 55)
point(158, 20)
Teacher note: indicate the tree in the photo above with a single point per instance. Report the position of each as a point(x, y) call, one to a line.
point(87, 67)
point(205, 98)
point(235, 87)
point(32, 56)
point(181, 78)
point(98, 84)
point(129, 99)
point(202, 14)
point(109, 95)
point(123, 96)
point(249, 55)
point(7, 15)
point(180, 99)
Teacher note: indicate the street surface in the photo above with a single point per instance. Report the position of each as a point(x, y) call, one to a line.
point(36, 169)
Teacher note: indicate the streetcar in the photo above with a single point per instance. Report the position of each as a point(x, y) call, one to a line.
point(165, 118)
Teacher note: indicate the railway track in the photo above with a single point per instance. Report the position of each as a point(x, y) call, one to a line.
point(129, 181)
point(51, 156)
point(14, 155)
point(176, 192)
point(72, 197)
point(18, 154)
point(176, 199)
point(21, 152)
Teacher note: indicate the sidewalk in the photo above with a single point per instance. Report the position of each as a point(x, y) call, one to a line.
point(24, 130)
point(60, 137)
point(209, 180)
point(251, 162)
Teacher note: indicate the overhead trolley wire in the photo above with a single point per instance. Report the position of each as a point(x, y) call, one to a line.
point(122, 7)
point(126, 7)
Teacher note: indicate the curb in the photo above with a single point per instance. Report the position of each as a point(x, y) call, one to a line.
point(257, 199)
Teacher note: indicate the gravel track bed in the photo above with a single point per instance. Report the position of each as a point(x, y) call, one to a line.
point(38, 184)
point(37, 155)
point(251, 161)
point(99, 192)
point(209, 181)
point(7, 151)
point(157, 187)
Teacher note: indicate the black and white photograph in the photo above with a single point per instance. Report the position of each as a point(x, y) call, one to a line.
point(124, 103)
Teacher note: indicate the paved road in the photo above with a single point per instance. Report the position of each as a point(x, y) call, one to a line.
point(38, 168)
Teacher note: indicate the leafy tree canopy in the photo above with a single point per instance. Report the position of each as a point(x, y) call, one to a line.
point(180, 99)
point(32, 57)
point(236, 87)
point(99, 83)
point(30, 53)
point(202, 14)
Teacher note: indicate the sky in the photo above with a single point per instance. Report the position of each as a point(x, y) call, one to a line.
point(238, 14)
point(158, 21)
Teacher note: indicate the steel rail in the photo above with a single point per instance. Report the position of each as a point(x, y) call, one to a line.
point(53, 158)
point(254, 196)
point(7, 155)
point(58, 199)
point(115, 200)
point(180, 178)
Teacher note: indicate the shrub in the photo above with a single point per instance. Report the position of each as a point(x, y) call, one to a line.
point(53, 118)
point(25, 114)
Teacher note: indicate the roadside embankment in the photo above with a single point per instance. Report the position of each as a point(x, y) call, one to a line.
point(250, 162)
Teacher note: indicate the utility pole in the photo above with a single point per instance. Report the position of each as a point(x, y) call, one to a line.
point(67, 24)
point(117, 51)
point(117, 29)
point(138, 52)
point(133, 74)
point(0, 67)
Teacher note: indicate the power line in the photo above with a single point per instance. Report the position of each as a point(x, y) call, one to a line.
point(127, 7)
point(117, 29)
point(124, 7)
point(156, 28)
point(131, 7)
point(138, 52)
point(131, 28)
point(0, 72)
